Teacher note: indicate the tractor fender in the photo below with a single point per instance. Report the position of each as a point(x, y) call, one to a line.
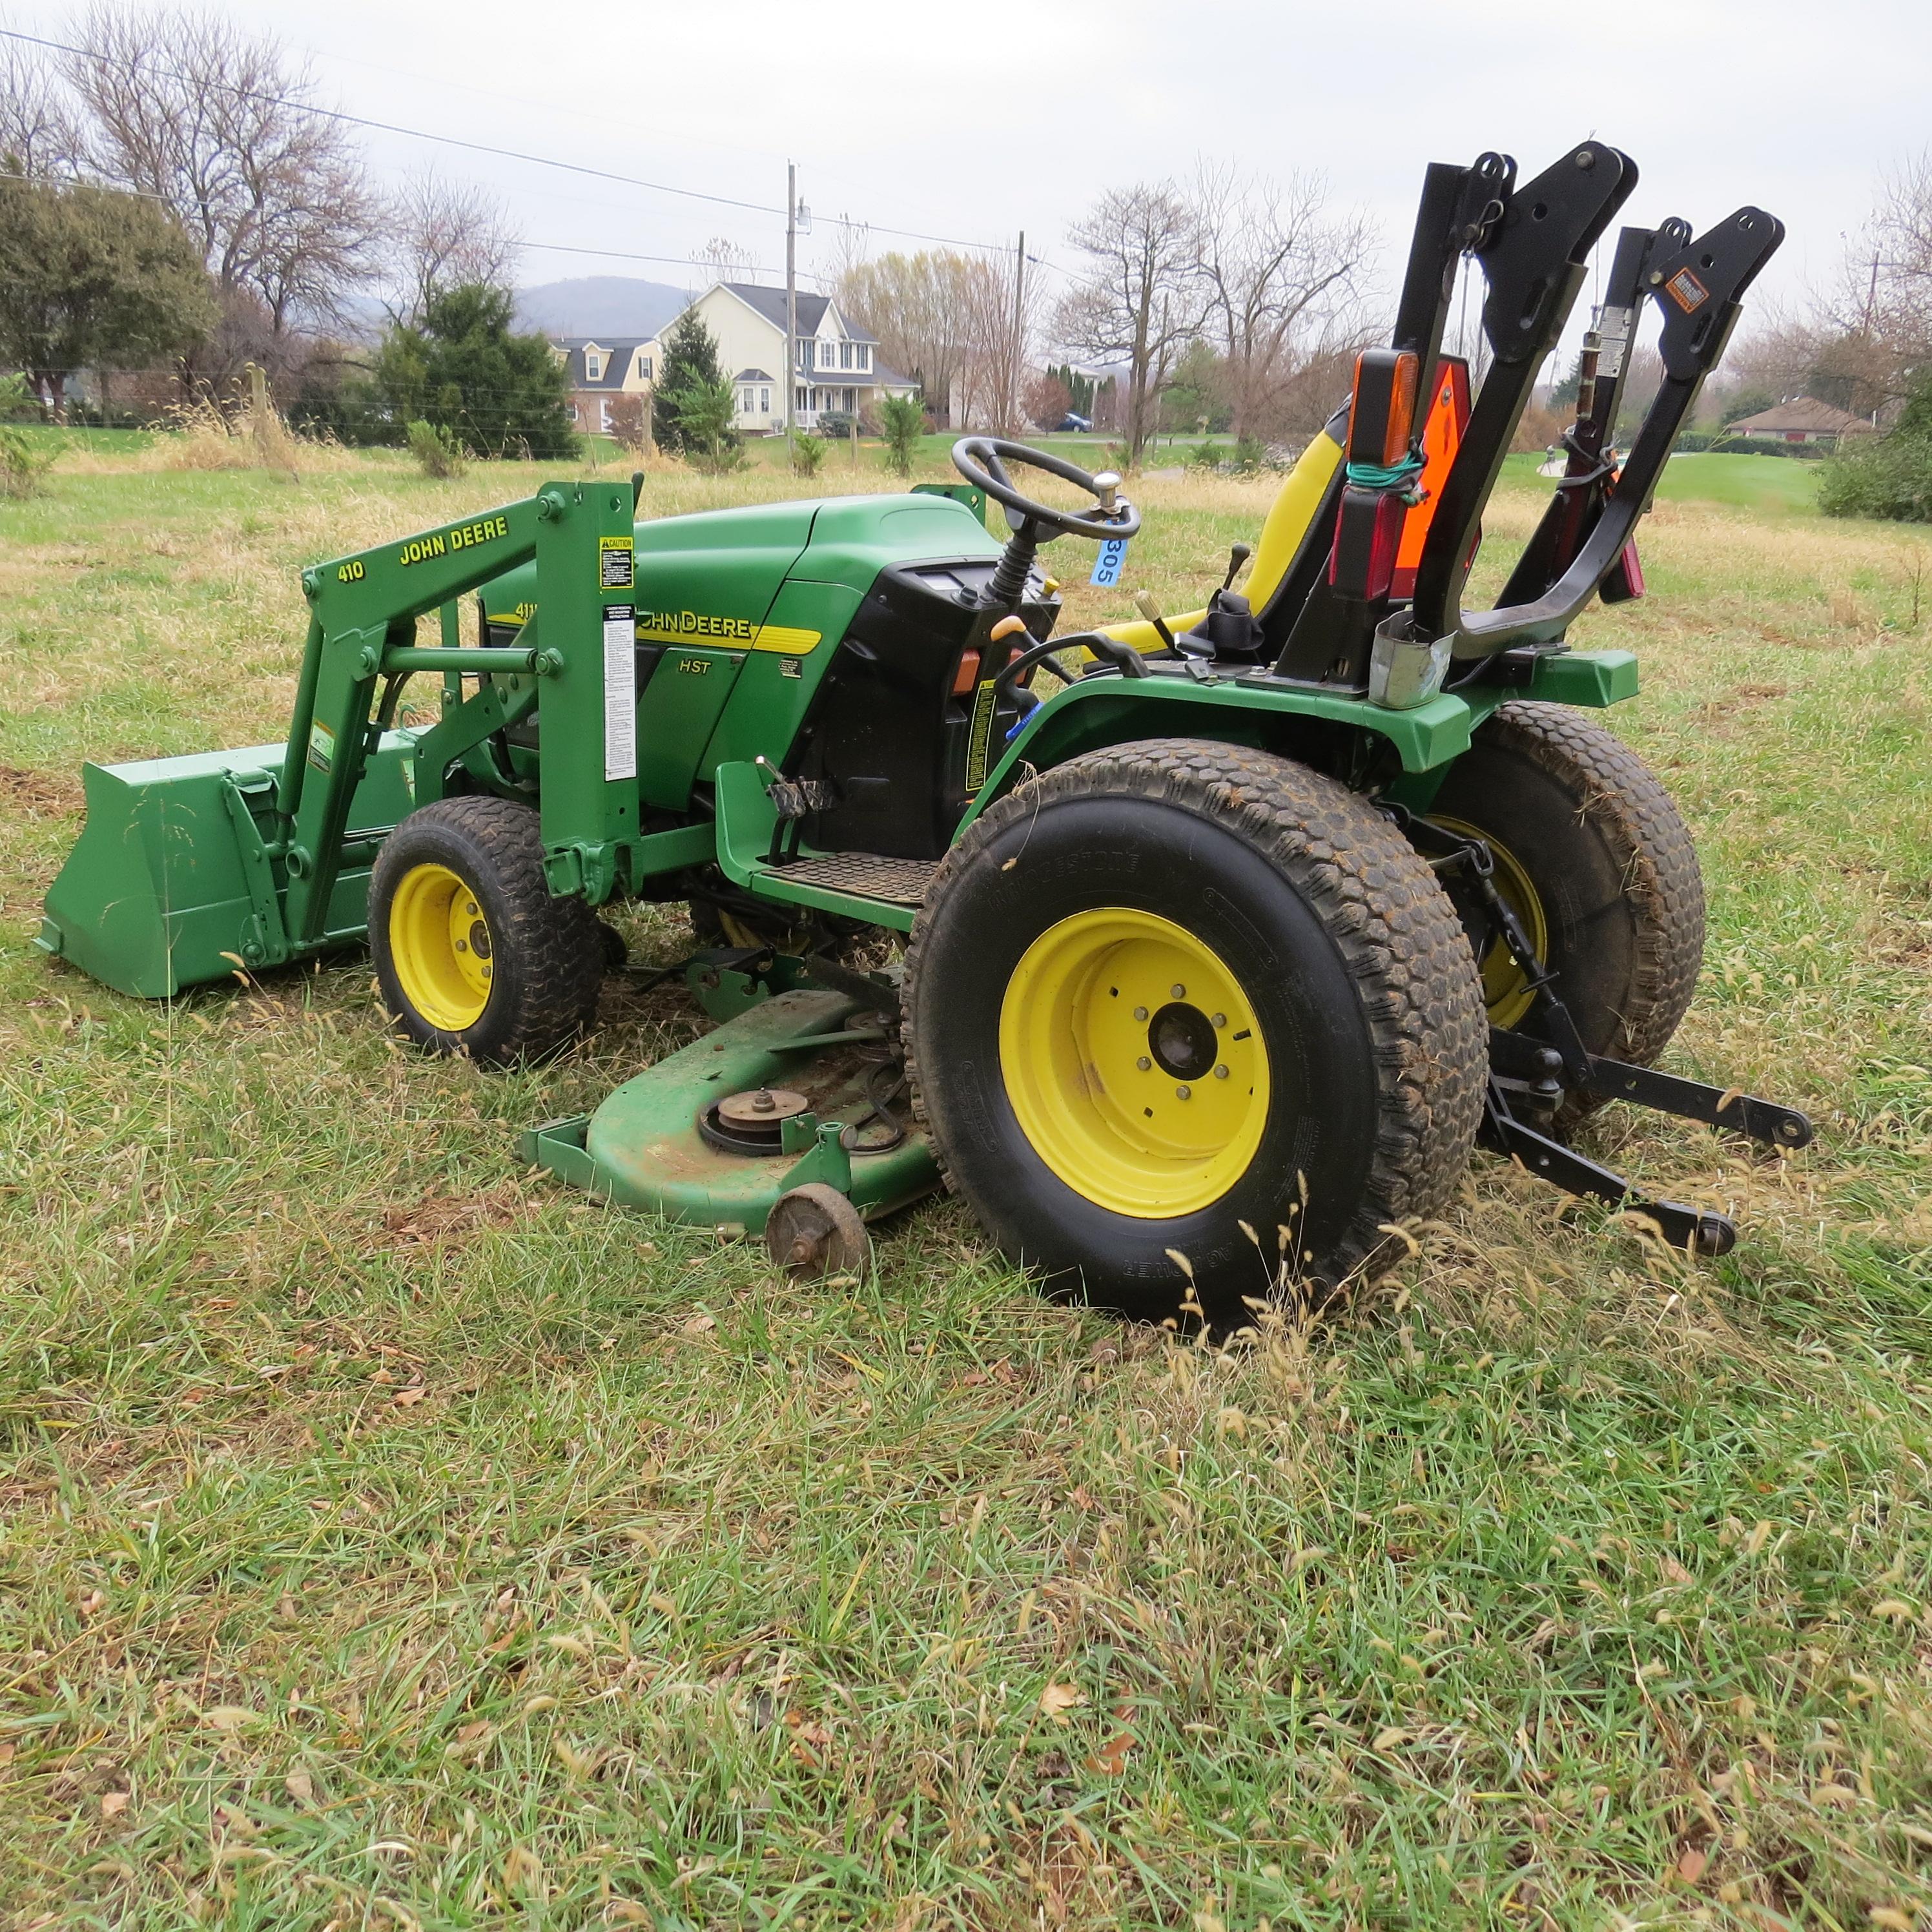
point(1096, 711)
point(1100, 711)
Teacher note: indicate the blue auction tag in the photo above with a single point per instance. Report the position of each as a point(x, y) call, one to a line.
point(1111, 561)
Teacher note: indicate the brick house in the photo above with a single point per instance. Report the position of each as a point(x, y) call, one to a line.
point(601, 372)
point(1803, 419)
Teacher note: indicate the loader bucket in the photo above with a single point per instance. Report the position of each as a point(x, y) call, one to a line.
point(170, 885)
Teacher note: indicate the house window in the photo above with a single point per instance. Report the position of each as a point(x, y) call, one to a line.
point(863, 352)
point(744, 402)
point(764, 402)
point(604, 415)
point(844, 355)
point(826, 352)
point(643, 368)
point(593, 365)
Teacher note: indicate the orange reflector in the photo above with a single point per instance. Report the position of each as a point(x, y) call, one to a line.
point(968, 674)
point(1441, 437)
point(1381, 408)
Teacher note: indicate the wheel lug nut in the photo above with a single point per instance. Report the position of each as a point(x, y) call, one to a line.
point(1140, 1012)
point(1180, 992)
point(1220, 1019)
point(1183, 1093)
point(472, 908)
point(1144, 1062)
point(463, 946)
point(1220, 1073)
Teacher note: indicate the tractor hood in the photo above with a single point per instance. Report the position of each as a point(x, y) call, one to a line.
point(712, 576)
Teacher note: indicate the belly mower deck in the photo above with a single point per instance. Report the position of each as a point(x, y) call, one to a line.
point(792, 1093)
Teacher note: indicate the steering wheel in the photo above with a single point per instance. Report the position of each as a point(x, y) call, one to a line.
point(982, 460)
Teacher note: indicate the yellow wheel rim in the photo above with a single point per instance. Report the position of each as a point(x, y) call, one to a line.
point(1133, 1062)
point(440, 946)
point(1506, 993)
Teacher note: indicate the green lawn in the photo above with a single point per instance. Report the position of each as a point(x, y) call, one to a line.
point(1770, 485)
point(391, 1538)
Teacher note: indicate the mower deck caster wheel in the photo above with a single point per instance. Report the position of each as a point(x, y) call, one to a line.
point(814, 1232)
point(616, 954)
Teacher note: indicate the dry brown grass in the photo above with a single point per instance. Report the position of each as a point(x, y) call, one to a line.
point(359, 1493)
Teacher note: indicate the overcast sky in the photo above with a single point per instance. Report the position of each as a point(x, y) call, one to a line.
point(973, 122)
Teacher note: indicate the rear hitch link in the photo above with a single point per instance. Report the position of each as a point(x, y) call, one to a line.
point(1534, 1074)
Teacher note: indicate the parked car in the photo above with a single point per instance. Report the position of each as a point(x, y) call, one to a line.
point(1070, 421)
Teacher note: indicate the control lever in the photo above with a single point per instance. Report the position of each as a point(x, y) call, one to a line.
point(1238, 555)
point(1145, 603)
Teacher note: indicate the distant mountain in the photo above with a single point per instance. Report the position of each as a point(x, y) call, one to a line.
point(621, 306)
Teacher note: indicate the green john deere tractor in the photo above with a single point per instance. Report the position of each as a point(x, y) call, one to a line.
point(1220, 956)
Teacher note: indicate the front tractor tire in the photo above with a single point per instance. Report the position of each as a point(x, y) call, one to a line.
point(472, 954)
point(1193, 1027)
point(1594, 860)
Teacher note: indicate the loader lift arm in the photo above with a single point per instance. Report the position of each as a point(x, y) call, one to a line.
point(364, 610)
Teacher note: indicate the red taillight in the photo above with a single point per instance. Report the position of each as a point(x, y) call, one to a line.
point(1368, 534)
point(1624, 583)
point(968, 675)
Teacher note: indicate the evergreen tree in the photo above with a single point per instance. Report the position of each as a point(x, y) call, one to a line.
point(1079, 387)
point(89, 278)
point(463, 371)
point(689, 372)
point(704, 413)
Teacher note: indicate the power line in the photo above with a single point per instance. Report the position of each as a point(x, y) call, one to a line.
point(677, 261)
point(502, 154)
point(413, 133)
point(549, 247)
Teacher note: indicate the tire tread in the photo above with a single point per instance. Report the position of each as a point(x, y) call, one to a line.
point(1399, 937)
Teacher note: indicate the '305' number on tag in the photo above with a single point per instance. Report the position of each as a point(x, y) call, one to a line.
point(1111, 561)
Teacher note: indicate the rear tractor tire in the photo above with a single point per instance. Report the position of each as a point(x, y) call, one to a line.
point(472, 954)
point(1594, 859)
point(1193, 1027)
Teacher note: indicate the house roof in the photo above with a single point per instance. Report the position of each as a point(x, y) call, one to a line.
point(753, 376)
point(890, 378)
point(616, 359)
point(1801, 412)
point(770, 303)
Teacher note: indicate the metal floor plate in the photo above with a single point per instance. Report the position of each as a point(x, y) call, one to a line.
point(897, 881)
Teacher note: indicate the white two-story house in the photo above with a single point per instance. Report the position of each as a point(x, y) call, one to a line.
point(837, 370)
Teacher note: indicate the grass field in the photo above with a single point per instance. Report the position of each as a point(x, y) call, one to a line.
point(389, 1538)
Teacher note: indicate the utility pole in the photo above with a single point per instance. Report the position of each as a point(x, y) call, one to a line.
point(791, 304)
point(1019, 331)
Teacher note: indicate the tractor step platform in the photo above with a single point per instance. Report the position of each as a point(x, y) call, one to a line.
point(897, 881)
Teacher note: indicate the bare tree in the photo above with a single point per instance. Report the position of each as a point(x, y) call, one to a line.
point(915, 306)
point(443, 234)
point(1145, 296)
point(1283, 281)
point(995, 322)
point(723, 260)
point(1901, 284)
point(40, 136)
point(181, 107)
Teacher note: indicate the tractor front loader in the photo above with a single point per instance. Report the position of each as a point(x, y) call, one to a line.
point(1195, 977)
